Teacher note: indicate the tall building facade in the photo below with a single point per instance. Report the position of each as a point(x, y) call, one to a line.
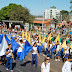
point(51, 13)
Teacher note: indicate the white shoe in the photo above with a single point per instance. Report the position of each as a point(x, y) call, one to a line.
point(55, 59)
point(44, 55)
point(11, 70)
point(58, 59)
point(6, 68)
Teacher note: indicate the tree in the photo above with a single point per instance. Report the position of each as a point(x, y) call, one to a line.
point(16, 12)
point(65, 15)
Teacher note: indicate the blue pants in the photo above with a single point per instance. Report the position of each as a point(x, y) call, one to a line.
point(34, 56)
point(19, 53)
point(39, 49)
point(52, 50)
point(59, 53)
point(9, 58)
point(47, 52)
point(15, 53)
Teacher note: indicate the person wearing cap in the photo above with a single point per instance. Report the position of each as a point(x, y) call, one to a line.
point(34, 54)
point(45, 67)
point(9, 55)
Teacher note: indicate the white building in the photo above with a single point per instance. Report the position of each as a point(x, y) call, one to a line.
point(52, 13)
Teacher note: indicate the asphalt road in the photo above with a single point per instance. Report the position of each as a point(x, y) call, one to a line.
point(26, 66)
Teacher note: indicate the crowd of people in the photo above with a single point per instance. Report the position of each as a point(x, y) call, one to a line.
point(49, 44)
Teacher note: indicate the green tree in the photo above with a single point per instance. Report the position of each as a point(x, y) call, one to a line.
point(65, 15)
point(16, 12)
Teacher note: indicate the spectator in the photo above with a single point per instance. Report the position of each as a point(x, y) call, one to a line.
point(45, 67)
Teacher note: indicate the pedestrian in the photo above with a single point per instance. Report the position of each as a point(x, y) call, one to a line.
point(9, 55)
point(67, 65)
point(19, 51)
point(66, 51)
point(45, 67)
point(55, 21)
point(34, 54)
point(58, 54)
point(46, 47)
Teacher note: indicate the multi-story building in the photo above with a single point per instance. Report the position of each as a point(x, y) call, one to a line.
point(51, 13)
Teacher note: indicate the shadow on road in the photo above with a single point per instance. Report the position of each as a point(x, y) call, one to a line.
point(25, 63)
point(14, 65)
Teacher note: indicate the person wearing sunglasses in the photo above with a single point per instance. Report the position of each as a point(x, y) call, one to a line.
point(45, 67)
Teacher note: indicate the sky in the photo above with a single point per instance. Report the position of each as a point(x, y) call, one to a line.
point(36, 7)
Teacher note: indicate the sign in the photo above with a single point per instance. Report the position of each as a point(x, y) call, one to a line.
point(26, 26)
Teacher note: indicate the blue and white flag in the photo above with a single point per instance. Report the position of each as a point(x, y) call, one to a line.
point(27, 48)
point(7, 39)
point(14, 45)
point(1, 37)
point(3, 47)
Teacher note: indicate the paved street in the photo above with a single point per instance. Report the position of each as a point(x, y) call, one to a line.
point(25, 66)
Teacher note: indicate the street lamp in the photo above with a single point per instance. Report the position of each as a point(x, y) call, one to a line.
point(43, 16)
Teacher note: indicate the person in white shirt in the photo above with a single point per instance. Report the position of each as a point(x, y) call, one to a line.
point(34, 54)
point(45, 67)
point(9, 55)
point(57, 52)
point(46, 47)
point(67, 65)
point(39, 48)
point(49, 48)
point(19, 51)
point(66, 51)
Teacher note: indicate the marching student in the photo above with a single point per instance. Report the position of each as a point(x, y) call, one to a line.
point(49, 48)
point(34, 54)
point(46, 47)
point(58, 54)
point(9, 55)
point(66, 51)
point(39, 48)
point(19, 51)
point(45, 67)
point(67, 65)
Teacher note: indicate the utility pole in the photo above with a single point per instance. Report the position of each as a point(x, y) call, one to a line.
point(43, 16)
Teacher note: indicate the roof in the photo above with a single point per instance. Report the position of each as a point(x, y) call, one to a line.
point(12, 21)
point(40, 22)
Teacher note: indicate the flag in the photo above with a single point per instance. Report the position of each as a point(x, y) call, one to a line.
point(14, 45)
point(71, 46)
point(1, 37)
point(26, 35)
point(64, 43)
point(28, 38)
point(58, 39)
point(3, 47)
point(22, 35)
point(7, 39)
point(39, 37)
point(49, 38)
point(27, 48)
point(43, 40)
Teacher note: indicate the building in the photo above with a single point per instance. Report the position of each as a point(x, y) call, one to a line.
point(38, 25)
point(51, 13)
